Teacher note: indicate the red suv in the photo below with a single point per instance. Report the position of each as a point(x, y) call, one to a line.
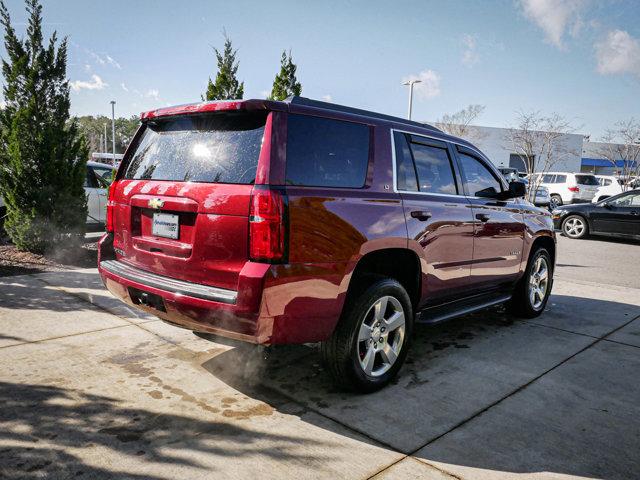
point(304, 221)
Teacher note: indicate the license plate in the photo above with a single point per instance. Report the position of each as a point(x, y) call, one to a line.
point(166, 225)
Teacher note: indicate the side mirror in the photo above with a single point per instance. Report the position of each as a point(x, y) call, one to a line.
point(517, 189)
point(608, 206)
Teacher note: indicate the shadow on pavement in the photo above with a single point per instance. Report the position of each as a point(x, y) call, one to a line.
point(41, 426)
point(454, 372)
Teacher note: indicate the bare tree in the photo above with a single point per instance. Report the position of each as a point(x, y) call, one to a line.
point(621, 145)
point(459, 124)
point(541, 142)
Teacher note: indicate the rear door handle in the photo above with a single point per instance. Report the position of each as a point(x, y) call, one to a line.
point(483, 217)
point(421, 215)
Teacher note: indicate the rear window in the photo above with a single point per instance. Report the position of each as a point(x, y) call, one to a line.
point(586, 180)
point(215, 148)
point(322, 152)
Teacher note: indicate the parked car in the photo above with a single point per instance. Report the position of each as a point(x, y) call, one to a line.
point(96, 186)
point(96, 183)
point(617, 216)
point(303, 221)
point(567, 187)
point(541, 197)
point(609, 186)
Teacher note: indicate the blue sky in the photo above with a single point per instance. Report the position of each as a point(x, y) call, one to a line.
point(580, 58)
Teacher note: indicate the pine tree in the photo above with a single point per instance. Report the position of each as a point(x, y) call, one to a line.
point(286, 84)
point(226, 86)
point(42, 155)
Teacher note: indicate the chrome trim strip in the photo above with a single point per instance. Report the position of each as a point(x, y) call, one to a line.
point(169, 284)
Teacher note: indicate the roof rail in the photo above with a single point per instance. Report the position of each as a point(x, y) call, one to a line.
point(356, 111)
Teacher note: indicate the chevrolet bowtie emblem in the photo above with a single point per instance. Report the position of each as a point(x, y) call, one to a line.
point(156, 203)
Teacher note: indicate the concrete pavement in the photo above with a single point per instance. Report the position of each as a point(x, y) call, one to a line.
point(92, 390)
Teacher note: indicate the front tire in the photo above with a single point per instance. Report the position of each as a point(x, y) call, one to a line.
point(532, 292)
point(370, 343)
point(575, 226)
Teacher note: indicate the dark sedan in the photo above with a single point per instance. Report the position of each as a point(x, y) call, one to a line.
point(617, 216)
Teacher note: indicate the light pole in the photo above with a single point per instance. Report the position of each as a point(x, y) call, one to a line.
point(411, 83)
point(113, 131)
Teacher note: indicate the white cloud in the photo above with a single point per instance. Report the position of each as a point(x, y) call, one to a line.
point(327, 98)
point(618, 53)
point(153, 93)
point(469, 55)
point(96, 83)
point(124, 87)
point(87, 67)
point(112, 62)
point(429, 86)
point(555, 17)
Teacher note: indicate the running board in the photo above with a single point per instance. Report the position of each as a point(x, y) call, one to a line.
point(448, 311)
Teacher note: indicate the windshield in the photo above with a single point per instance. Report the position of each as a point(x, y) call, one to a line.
point(215, 148)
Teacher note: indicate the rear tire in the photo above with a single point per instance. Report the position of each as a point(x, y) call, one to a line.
point(355, 359)
point(556, 201)
point(532, 292)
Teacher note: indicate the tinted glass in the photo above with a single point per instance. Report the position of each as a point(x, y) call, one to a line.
point(560, 179)
point(322, 152)
point(217, 148)
point(606, 182)
point(104, 174)
point(434, 169)
point(405, 173)
point(548, 178)
point(586, 180)
point(476, 177)
point(629, 200)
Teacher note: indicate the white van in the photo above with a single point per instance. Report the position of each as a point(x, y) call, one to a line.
point(565, 187)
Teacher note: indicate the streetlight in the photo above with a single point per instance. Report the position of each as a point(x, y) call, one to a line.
point(411, 83)
point(113, 130)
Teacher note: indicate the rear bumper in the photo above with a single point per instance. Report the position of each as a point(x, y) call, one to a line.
point(274, 304)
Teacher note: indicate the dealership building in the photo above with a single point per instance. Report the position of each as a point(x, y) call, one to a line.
point(574, 151)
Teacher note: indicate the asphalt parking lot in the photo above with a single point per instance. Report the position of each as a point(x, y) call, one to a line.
point(90, 389)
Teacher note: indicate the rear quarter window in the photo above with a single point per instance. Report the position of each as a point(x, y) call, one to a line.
point(586, 180)
point(213, 148)
point(323, 152)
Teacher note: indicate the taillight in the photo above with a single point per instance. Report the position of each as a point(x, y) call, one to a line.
point(110, 207)
point(266, 226)
point(574, 189)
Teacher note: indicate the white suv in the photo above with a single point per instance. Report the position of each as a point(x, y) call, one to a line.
point(609, 186)
point(567, 187)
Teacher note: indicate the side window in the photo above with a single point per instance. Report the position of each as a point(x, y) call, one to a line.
point(90, 180)
point(629, 200)
point(433, 166)
point(561, 179)
point(476, 177)
point(606, 182)
point(405, 172)
point(322, 152)
point(548, 179)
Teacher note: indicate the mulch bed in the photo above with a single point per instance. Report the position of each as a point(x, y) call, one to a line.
point(16, 262)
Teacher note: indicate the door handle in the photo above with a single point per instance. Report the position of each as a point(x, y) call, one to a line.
point(483, 217)
point(421, 215)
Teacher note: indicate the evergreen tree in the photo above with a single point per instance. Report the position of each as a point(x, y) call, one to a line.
point(42, 155)
point(286, 84)
point(226, 86)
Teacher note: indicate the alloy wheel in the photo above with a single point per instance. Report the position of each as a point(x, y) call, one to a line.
point(381, 336)
point(538, 282)
point(574, 227)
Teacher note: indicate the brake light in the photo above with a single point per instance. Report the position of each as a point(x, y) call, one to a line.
point(574, 189)
point(266, 226)
point(110, 207)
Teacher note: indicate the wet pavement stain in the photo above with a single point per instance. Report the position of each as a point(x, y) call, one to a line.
point(258, 410)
